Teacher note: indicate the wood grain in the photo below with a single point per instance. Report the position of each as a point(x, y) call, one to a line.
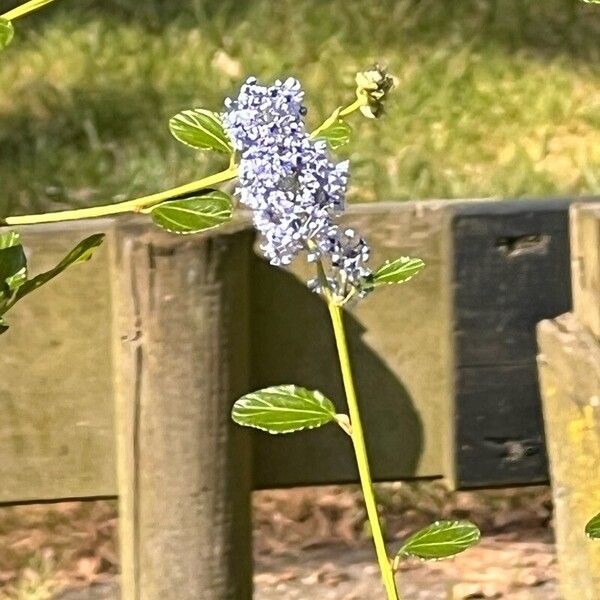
point(585, 259)
point(474, 308)
point(182, 356)
point(569, 367)
point(509, 269)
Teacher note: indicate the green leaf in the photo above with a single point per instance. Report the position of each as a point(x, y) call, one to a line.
point(12, 263)
point(337, 134)
point(3, 326)
point(17, 280)
point(7, 32)
point(82, 252)
point(202, 129)
point(441, 540)
point(283, 409)
point(397, 271)
point(592, 529)
point(9, 239)
point(192, 215)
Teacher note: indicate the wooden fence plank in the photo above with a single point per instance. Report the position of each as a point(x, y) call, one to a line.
point(509, 269)
point(585, 257)
point(413, 346)
point(56, 430)
point(569, 367)
point(182, 357)
point(397, 349)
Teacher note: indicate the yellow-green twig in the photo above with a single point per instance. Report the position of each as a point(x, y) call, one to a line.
point(360, 450)
point(136, 205)
point(337, 114)
point(24, 9)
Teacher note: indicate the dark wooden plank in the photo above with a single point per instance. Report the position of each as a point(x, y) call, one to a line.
point(499, 429)
point(509, 270)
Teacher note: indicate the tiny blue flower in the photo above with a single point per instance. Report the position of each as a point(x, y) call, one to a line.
point(294, 189)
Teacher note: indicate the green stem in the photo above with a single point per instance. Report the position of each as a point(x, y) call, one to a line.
point(22, 10)
point(137, 205)
point(360, 450)
point(344, 112)
point(352, 107)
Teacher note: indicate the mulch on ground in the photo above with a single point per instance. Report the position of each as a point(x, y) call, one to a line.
point(309, 542)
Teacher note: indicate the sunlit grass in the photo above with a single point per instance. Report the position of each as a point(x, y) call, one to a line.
point(495, 98)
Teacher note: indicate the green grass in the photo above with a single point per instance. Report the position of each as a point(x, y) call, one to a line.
point(496, 98)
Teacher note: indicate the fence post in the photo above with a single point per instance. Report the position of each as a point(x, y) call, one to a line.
point(585, 264)
point(181, 358)
point(569, 369)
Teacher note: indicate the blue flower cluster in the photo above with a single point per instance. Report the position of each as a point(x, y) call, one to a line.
point(293, 188)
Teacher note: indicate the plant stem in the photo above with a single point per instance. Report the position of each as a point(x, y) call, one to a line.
point(344, 112)
point(360, 450)
point(136, 205)
point(22, 10)
point(352, 107)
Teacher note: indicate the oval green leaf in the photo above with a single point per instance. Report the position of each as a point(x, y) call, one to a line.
point(7, 32)
point(200, 129)
point(337, 134)
point(397, 271)
point(12, 263)
point(80, 253)
point(442, 539)
point(283, 409)
point(11, 239)
point(193, 215)
point(592, 529)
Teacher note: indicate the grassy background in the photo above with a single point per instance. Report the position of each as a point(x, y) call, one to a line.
point(497, 97)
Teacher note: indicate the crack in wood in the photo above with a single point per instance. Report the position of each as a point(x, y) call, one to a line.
point(519, 245)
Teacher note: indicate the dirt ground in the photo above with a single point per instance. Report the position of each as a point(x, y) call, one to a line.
point(312, 544)
point(501, 567)
point(309, 543)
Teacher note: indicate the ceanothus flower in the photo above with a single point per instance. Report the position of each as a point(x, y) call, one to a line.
point(291, 184)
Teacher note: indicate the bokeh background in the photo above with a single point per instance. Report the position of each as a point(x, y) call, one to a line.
point(496, 97)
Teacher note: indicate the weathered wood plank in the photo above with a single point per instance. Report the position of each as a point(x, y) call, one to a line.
point(56, 394)
point(182, 348)
point(401, 339)
point(395, 337)
point(585, 258)
point(569, 367)
point(509, 269)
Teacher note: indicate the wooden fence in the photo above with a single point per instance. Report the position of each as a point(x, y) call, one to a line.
point(149, 344)
point(569, 365)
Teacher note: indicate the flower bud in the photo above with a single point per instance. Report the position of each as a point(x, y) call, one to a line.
point(372, 86)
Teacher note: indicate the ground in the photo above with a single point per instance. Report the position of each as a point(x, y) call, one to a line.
point(502, 567)
point(309, 543)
